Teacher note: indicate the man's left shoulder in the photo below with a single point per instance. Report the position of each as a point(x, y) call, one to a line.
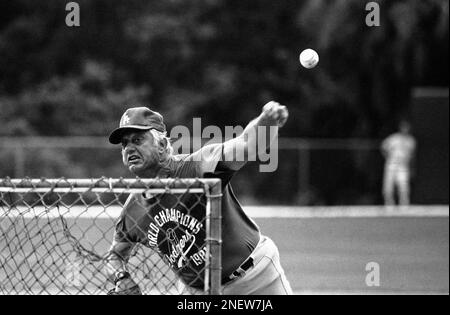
point(186, 166)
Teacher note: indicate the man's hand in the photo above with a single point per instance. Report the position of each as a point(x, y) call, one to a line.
point(250, 143)
point(274, 114)
point(126, 287)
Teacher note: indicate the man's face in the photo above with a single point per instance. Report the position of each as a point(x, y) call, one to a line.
point(139, 151)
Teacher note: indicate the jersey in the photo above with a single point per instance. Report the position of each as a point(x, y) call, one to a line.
point(399, 150)
point(175, 226)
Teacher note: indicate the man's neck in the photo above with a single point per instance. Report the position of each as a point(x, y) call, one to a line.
point(167, 168)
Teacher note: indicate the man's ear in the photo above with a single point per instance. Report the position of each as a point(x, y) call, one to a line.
point(162, 145)
point(162, 152)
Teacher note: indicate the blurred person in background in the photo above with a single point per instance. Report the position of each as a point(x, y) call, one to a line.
point(398, 150)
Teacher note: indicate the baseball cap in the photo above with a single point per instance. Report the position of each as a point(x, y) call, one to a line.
point(140, 118)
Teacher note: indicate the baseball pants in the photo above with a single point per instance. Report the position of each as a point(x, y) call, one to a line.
point(396, 177)
point(266, 277)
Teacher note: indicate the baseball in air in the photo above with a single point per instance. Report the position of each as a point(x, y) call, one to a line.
point(309, 58)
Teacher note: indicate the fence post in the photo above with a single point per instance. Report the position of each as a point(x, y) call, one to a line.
point(214, 232)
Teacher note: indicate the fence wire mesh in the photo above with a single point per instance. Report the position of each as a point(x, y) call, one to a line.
point(56, 234)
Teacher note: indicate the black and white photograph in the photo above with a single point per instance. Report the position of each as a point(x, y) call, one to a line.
point(231, 150)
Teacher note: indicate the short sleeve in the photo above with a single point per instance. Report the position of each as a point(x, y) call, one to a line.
point(387, 143)
point(208, 157)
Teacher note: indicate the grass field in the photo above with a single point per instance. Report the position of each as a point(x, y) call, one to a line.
point(329, 255)
point(323, 250)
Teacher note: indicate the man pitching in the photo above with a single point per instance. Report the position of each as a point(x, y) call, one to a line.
point(250, 261)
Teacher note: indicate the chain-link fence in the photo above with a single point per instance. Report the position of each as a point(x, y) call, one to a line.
point(308, 171)
point(56, 235)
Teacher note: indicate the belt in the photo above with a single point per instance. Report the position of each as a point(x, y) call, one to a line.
point(240, 271)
